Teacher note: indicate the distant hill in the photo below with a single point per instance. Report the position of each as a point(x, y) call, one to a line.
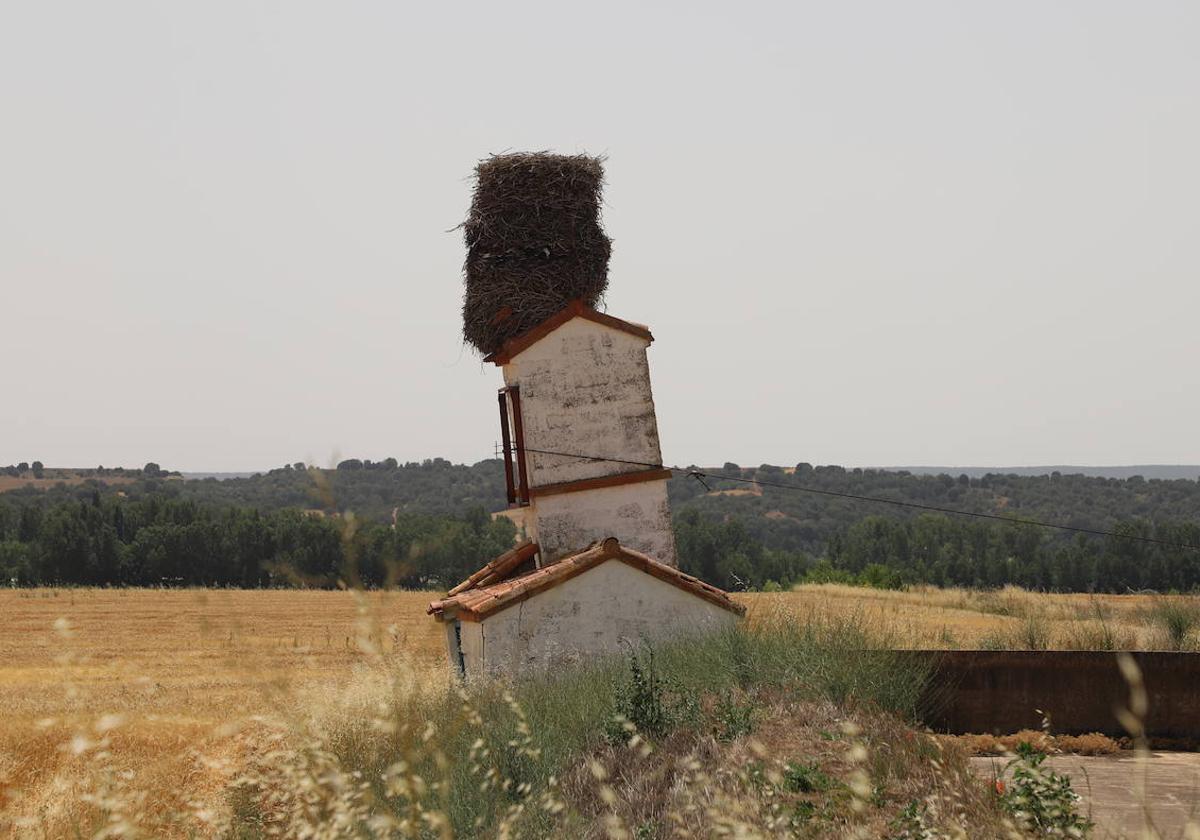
point(782, 518)
point(738, 525)
point(1166, 472)
point(52, 476)
point(219, 476)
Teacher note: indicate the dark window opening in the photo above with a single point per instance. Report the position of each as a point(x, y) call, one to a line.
point(462, 661)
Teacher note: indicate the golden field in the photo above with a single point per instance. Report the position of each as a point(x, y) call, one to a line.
point(930, 618)
point(164, 683)
point(154, 695)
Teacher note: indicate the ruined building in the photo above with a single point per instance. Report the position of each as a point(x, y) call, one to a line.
point(596, 564)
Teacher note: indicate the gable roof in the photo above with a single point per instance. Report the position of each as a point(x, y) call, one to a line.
point(498, 569)
point(574, 309)
point(479, 602)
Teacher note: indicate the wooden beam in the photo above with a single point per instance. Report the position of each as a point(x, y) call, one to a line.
point(653, 474)
point(519, 428)
point(508, 464)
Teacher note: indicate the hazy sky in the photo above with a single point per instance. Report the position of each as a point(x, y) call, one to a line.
point(862, 233)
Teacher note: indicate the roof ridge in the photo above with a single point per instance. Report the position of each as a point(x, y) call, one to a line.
point(575, 309)
point(478, 601)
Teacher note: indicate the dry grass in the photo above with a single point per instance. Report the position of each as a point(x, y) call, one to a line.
point(752, 490)
point(183, 673)
point(809, 770)
point(159, 699)
point(1093, 743)
point(930, 618)
point(53, 476)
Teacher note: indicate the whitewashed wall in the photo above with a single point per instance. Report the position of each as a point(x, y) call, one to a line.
point(585, 388)
point(586, 616)
point(638, 515)
point(472, 646)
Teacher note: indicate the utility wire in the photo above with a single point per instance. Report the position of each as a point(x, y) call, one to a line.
point(701, 475)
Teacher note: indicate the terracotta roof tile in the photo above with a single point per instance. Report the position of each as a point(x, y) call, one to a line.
point(473, 604)
point(499, 568)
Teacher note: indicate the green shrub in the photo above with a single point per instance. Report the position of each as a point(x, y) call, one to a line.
point(911, 824)
point(824, 572)
point(1178, 617)
point(805, 778)
point(1040, 799)
point(878, 576)
point(732, 719)
point(647, 702)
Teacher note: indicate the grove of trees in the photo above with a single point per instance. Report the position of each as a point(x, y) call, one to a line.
point(424, 524)
point(106, 540)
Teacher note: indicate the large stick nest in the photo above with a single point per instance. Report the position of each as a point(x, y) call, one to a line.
point(534, 243)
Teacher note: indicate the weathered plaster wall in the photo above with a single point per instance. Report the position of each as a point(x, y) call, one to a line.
point(472, 646)
point(590, 615)
point(585, 388)
point(639, 515)
point(451, 645)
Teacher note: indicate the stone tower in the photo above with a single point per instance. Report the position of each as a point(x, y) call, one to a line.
point(581, 450)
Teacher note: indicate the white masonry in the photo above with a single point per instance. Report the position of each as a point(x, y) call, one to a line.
point(579, 385)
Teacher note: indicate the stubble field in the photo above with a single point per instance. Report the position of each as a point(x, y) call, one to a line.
point(163, 691)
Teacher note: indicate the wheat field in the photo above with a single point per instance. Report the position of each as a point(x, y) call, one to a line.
point(166, 682)
point(162, 692)
point(931, 618)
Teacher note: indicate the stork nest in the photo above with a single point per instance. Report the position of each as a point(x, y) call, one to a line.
point(534, 243)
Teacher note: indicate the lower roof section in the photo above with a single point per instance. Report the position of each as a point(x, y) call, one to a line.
point(476, 604)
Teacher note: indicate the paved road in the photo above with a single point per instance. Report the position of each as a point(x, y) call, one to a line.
point(1107, 785)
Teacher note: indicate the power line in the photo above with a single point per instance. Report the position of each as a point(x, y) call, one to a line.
point(1011, 520)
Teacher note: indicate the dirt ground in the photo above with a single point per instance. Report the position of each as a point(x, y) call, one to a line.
point(1109, 787)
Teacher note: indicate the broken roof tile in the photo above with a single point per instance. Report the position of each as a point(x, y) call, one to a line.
point(475, 602)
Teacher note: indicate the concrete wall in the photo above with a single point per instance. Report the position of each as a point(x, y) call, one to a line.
point(639, 515)
point(1002, 692)
point(585, 388)
point(586, 616)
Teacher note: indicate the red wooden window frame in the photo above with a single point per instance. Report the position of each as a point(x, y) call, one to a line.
point(514, 447)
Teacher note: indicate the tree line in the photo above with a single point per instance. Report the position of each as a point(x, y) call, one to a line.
point(786, 518)
point(425, 521)
point(107, 540)
point(816, 537)
point(940, 550)
point(38, 470)
point(948, 551)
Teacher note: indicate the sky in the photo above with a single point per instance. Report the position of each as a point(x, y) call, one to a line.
point(862, 233)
